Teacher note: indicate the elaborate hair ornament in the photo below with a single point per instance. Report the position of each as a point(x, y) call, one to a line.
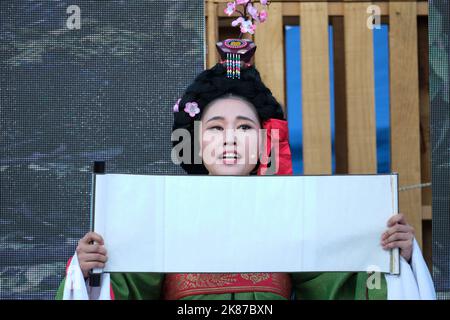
point(237, 53)
point(234, 52)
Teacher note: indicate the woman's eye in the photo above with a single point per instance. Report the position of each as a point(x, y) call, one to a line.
point(244, 127)
point(215, 128)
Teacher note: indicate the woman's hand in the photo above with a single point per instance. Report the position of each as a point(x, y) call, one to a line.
point(91, 255)
point(399, 235)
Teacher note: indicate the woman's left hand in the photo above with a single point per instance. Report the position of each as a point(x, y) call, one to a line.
point(399, 235)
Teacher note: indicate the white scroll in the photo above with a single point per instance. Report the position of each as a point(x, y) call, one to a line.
point(245, 223)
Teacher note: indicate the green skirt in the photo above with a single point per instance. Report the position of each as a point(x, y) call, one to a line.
point(305, 286)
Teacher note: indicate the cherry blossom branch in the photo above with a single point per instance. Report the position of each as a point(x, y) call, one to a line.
point(251, 14)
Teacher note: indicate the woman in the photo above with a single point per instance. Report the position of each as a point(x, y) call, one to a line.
point(227, 108)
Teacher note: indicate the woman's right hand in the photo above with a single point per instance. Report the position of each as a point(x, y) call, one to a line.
point(91, 255)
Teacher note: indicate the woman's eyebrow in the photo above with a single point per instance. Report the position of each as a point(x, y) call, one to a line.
point(215, 118)
point(238, 117)
point(245, 118)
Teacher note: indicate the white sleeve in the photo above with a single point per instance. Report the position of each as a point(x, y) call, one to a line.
point(414, 281)
point(76, 288)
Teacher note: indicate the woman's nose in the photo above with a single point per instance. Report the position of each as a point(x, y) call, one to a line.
point(230, 137)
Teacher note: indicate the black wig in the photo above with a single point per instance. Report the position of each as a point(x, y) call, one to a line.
point(212, 84)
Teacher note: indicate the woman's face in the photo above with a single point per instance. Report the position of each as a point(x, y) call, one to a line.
point(230, 137)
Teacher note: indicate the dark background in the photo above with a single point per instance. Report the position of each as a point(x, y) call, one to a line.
point(439, 48)
point(71, 97)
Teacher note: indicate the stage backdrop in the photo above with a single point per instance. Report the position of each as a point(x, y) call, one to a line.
point(439, 44)
point(81, 81)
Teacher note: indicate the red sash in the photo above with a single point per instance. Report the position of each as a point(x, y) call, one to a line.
point(179, 285)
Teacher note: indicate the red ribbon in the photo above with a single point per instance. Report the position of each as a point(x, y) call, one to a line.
point(278, 142)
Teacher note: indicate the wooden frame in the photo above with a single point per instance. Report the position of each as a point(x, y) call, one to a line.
point(355, 129)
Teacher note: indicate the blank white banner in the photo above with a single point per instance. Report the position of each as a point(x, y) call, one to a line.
point(191, 224)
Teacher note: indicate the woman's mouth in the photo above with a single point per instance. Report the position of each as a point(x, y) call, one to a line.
point(230, 157)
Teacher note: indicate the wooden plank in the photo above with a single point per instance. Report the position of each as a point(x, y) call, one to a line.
point(291, 8)
point(422, 8)
point(405, 120)
point(359, 70)
point(337, 8)
point(427, 213)
point(315, 88)
point(269, 56)
point(340, 101)
point(212, 33)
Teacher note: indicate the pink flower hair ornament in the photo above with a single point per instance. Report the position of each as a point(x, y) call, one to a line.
point(230, 9)
point(192, 108)
point(249, 16)
point(176, 105)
